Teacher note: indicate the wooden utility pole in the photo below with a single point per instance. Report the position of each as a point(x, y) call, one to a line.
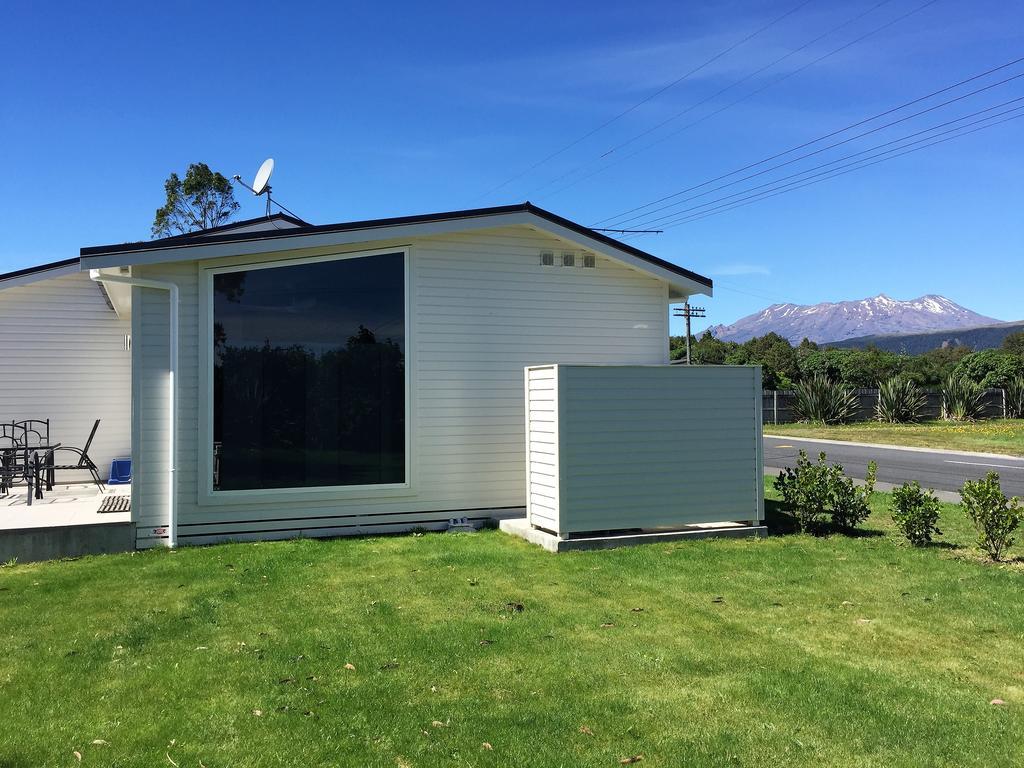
point(688, 312)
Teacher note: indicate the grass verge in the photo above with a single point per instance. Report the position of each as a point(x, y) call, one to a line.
point(478, 649)
point(990, 436)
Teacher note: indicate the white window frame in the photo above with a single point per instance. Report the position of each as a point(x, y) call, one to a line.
point(210, 497)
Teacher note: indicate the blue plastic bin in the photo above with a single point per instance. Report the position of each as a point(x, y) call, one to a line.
point(120, 472)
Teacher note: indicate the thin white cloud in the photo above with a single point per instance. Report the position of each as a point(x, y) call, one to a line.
point(740, 269)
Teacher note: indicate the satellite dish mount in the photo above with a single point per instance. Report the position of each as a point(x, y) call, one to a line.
point(261, 186)
point(261, 183)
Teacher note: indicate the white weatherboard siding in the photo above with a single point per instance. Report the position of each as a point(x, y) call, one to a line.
point(481, 309)
point(542, 446)
point(63, 357)
point(644, 446)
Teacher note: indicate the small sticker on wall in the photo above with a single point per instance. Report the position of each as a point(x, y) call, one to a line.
point(160, 531)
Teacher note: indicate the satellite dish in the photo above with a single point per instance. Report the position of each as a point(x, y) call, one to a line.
point(259, 184)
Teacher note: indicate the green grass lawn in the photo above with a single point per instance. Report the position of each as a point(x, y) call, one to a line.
point(481, 650)
point(989, 436)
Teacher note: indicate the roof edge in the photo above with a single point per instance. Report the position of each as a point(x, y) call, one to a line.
point(306, 229)
point(554, 218)
point(39, 268)
point(223, 228)
point(185, 241)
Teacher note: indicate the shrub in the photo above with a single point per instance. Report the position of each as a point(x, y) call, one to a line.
point(990, 367)
point(812, 490)
point(915, 512)
point(805, 489)
point(1015, 398)
point(821, 399)
point(961, 399)
point(850, 502)
point(899, 401)
point(994, 516)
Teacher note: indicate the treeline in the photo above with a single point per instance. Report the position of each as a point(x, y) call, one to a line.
point(783, 365)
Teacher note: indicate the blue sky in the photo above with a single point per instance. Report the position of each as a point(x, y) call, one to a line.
point(374, 110)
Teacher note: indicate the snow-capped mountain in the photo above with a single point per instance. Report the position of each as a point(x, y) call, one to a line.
point(846, 319)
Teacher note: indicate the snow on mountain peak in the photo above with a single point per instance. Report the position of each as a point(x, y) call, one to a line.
point(835, 321)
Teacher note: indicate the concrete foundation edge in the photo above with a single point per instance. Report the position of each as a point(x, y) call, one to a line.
point(31, 545)
point(552, 543)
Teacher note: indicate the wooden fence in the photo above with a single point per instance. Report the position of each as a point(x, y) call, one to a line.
point(777, 405)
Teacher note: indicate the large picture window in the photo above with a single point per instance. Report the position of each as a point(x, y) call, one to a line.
point(309, 374)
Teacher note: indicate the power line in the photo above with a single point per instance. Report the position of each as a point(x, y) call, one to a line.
point(646, 99)
point(832, 173)
point(713, 96)
point(764, 196)
point(743, 98)
point(773, 182)
point(822, 149)
point(628, 231)
point(851, 170)
point(621, 216)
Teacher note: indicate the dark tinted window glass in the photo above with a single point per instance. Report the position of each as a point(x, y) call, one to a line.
point(308, 379)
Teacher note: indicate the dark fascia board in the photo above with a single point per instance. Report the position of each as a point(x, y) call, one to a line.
point(39, 268)
point(203, 234)
point(185, 241)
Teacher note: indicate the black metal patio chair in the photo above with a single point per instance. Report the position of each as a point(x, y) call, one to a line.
point(17, 459)
point(11, 451)
point(33, 433)
point(48, 466)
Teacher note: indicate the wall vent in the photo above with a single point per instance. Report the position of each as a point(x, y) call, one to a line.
point(582, 259)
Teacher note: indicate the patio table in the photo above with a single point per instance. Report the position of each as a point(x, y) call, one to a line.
point(30, 471)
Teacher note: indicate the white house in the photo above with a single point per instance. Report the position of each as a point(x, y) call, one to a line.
point(65, 356)
point(291, 379)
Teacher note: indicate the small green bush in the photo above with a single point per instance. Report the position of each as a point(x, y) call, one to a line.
point(821, 399)
point(915, 512)
point(1015, 398)
point(850, 505)
point(812, 490)
point(899, 401)
point(805, 489)
point(994, 516)
point(962, 399)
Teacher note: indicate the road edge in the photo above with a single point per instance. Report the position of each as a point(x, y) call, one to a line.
point(975, 454)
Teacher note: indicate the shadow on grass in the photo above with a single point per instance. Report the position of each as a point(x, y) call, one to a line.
point(856, 533)
point(781, 522)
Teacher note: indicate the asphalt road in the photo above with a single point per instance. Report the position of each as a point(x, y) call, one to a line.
point(943, 471)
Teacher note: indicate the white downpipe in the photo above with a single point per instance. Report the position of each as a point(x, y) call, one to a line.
point(172, 408)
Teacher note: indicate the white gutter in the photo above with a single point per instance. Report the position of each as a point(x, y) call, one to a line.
point(172, 433)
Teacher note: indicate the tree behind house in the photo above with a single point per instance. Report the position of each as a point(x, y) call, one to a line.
point(204, 199)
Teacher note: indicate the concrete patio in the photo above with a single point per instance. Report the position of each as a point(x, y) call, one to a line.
point(66, 522)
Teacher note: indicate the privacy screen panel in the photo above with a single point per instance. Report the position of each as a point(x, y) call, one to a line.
point(309, 374)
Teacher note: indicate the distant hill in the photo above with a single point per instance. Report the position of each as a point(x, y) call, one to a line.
point(838, 321)
point(982, 337)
